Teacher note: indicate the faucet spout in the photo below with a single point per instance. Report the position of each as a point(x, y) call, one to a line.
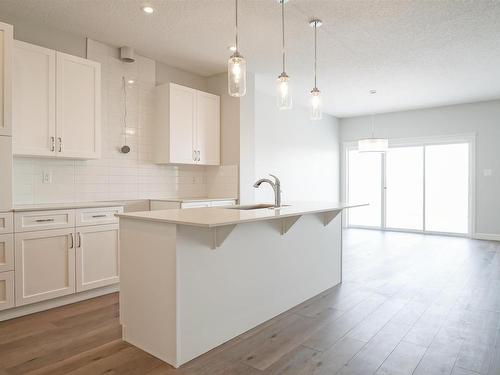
point(276, 185)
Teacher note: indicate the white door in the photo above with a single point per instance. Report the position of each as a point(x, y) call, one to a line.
point(78, 107)
point(45, 265)
point(447, 188)
point(97, 256)
point(5, 173)
point(208, 129)
point(364, 185)
point(182, 124)
point(404, 188)
point(6, 290)
point(33, 100)
point(5, 78)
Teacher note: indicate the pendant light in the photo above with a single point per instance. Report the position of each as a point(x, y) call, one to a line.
point(316, 113)
point(283, 85)
point(373, 144)
point(236, 68)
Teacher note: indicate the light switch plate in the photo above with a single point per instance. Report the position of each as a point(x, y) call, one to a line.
point(487, 172)
point(46, 177)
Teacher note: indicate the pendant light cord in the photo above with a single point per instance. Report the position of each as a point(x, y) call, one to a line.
point(124, 110)
point(237, 46)
point(283, 31)
point(315, 51)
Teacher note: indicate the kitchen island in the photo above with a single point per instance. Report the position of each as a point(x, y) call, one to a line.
point(192, 279)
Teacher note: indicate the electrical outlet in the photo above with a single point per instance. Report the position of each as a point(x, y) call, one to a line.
point(487, 172)
point(46, 177)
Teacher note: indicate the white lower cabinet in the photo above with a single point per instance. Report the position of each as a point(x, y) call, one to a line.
point(6, 290)
point(6, 252)
point(97, 256)
point(44, 265)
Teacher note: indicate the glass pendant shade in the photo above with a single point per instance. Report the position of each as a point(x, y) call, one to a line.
point(283, 92)
point(316, 112)
point(373, 145)
point(237, 75)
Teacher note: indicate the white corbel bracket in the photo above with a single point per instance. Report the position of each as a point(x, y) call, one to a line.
point(329, 216)
point(219, 235)
point(287, 223)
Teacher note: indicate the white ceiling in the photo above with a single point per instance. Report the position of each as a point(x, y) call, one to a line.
point(415, 53)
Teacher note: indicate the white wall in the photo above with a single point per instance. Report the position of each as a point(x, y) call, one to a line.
point(480, 118)
point(304, 154)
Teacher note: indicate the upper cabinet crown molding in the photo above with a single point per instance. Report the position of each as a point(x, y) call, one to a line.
point(63, 93)
point(187, 126)
point(6, 38)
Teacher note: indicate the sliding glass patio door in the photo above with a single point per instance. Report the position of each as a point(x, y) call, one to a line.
point(404, 188)
point(416, 187)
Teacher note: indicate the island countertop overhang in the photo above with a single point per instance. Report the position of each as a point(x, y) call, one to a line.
point(212, 217)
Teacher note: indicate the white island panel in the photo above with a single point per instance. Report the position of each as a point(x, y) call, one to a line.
point(180, 298)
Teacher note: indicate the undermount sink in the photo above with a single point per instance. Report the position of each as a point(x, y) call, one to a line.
point(256, 207)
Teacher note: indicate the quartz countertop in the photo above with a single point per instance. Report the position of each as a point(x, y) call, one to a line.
point(72, 205)
point(215, 216)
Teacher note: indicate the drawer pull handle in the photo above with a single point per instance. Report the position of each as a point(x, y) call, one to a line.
point(96, 216)
point(44, 220)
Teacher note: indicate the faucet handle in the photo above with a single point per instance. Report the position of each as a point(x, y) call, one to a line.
point(277, 180)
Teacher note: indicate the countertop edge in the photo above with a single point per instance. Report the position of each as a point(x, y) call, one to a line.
point(134, 216)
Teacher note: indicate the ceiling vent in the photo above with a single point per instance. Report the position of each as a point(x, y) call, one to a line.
point(127, 54)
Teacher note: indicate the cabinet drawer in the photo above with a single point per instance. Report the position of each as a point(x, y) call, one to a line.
point(195, 204)
point(6, 222)
point(229, 202)
point(97, 216)
point(6, 252)
point(40, 220)
point(6, 290)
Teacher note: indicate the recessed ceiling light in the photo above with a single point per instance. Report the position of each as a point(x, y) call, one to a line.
point(147, 9)
point(232, 48)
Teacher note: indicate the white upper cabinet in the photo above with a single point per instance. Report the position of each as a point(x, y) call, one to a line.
point(5, 78)
point(34, 88)
point(208, 128)
point(187, 126)
point(78, 103)
point(183, 124)
point(63, 95)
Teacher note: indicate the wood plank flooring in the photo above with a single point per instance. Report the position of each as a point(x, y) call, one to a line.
point(409, 304)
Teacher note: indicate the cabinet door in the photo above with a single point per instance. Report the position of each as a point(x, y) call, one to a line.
point(33, 100)
point(5, 78)
point(6, 252)
point(45, 265)
point(6, 290)
point(208, 129)
point(78, 107)
point(5, 174)
point(182, 124)
point(97, 256)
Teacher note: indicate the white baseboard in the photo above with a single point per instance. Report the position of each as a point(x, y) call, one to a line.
point(50, 304)
point(486, 236)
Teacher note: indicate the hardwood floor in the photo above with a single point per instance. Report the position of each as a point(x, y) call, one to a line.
point(409, 304)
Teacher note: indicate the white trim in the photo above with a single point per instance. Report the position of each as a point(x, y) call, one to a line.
point(486, 236)
point(61, 301)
